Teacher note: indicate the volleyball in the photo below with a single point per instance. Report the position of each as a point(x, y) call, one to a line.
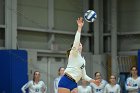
point(90, 16)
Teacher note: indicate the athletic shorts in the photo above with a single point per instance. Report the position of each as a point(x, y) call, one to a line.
point(66, 82)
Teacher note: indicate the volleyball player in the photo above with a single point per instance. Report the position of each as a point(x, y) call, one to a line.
point(84, 88)
point(112, 87)
point(35, 85)
point(76, 65)
point(56, 81)
point(133, 82)
point(100, 88)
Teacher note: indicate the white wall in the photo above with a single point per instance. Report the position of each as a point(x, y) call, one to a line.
point(66, 12)
point(129, 21)
point(99, 65)
point(2, 8)
point(129, 43)
point(32, 13)
point(128, 15)
point(33, 40)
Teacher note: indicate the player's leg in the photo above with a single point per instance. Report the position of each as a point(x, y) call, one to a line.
point(66, 84)
point(63, 90)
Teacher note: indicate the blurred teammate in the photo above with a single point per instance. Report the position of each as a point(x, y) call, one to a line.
point(100, 88)
point(84, 88)
point(133, 82)
point(35, 85)
point(112, 87)
point(56, 81)
point(76, 65)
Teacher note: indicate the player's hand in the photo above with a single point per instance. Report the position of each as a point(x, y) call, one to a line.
point(80, 22)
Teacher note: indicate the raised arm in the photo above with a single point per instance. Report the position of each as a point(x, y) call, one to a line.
point(76, 42)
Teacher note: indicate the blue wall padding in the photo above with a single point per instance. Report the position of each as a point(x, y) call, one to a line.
point(13, 70)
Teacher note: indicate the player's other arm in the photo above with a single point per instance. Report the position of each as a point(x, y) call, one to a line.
point(105, 89)
point(119, 89)
point(24, 87)
point(84, 75)
point(44, 88)
point(87, 78)
point(90, 90)
point(129, 87)
point(55, 86)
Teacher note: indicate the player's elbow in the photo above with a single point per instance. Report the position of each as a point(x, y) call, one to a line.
point(23, 90)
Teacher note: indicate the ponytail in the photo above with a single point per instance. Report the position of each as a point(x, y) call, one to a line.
point(68, 51)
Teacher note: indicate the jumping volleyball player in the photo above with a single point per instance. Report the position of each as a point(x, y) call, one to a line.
point(76, 65)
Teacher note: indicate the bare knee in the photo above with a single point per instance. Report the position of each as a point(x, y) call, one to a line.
point(74, 90)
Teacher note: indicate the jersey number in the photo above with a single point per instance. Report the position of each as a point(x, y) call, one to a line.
point(98, 90)
point(36, 90)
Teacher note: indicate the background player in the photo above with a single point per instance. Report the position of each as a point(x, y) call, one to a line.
point(100, 88)
point(133, 82)
point(35, 85)
point(83, 88)
point(56, 81)
point(112, 87)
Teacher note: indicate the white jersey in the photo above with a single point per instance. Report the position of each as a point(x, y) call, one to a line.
point(34, 88)
point(86, 89)
point(76, 63)
point(100, 88)
point(112, 89)
point(133, 85)
point(56, 81)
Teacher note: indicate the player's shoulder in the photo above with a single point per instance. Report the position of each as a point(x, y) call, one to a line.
point(79, 86)
point(138, 77)
point(42, 82)
point(30, 81)
point(89, 87)
point(56, 79)
point(104, 81)
point(117, 85)
point(107, 85)
point(129, 78)
point(92, 84)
